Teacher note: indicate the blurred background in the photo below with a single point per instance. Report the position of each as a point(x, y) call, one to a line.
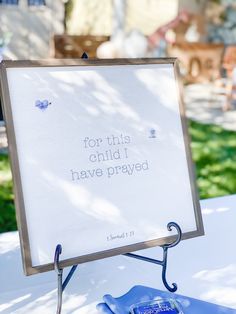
point(200, 33)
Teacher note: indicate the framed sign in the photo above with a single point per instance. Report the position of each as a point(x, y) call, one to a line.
point(100, 157)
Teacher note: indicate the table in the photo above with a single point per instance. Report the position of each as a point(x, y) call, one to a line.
point(204, 268)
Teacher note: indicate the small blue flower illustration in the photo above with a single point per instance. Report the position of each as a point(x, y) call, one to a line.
point(42, 105)
point(152, 133)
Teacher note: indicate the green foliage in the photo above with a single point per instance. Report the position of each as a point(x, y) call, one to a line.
point(7, 209)
point(214, 152)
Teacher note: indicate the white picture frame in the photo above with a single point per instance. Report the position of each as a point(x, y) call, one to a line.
point(100, 157)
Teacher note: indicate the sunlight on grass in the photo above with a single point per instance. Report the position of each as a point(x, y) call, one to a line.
point(214, 152)
point(7, 209)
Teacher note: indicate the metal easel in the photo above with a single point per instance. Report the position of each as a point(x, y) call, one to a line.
point(61, 285)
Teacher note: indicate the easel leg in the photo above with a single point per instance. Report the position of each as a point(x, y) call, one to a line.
point(163, 263)
point(59, 272)
point(59, 293)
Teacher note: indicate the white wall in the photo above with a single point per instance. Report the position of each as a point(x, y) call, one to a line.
point(95, 17)
point(32, 28)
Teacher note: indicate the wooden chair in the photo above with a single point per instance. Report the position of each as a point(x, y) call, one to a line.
point(73, 46)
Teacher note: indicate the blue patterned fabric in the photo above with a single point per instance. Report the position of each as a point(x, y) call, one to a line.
point(139, 294)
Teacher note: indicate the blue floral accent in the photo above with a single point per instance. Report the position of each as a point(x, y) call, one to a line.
point(42, 105)
point(152, 133)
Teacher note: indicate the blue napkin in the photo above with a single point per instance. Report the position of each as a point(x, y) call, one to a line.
point(139, 294)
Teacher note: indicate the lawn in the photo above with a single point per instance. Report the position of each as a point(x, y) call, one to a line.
point(7, 209)
point(214, 153)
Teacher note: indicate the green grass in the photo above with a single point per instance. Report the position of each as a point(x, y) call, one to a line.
point(7, 209)
point(214, 152)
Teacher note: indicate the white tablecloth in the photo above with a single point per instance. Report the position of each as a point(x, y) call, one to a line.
point(203, 268)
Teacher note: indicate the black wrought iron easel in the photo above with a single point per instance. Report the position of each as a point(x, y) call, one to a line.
point(163, 263)
point(61, 285)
